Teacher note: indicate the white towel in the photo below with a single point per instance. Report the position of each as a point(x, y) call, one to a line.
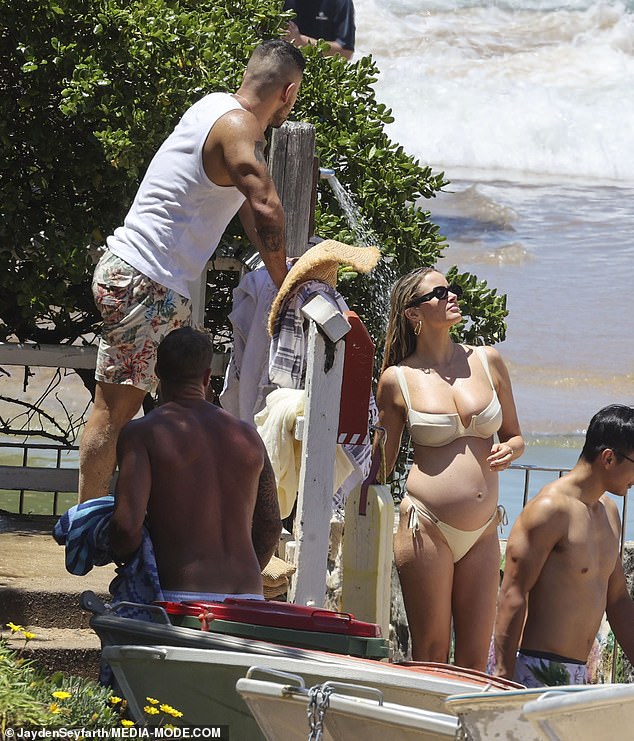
point(276, 424)
point(247, 378)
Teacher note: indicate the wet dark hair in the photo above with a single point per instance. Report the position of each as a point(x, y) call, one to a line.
point(611, 427)
point(184, 355)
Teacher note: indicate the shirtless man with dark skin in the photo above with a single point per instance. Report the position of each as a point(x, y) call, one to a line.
point(563, 567)
point(204, 480)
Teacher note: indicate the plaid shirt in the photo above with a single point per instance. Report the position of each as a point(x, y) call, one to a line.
point(287, 356)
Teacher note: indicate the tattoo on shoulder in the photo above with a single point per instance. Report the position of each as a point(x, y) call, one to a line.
point(267, 505)
point(259, 152)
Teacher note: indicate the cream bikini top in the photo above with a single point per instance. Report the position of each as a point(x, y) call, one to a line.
point(436, 430)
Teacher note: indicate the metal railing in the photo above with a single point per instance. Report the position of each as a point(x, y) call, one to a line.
point(528, 469)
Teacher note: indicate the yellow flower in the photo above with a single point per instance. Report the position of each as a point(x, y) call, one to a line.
point(171, 711)
point(152, 701)
point(127, 723)
point(29, 636)
point(114, 700)
point(54, 708)
point(150, 710)
point(61, 695)
point(14, 628)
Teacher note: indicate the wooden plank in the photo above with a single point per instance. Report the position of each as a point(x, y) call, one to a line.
point(39, 479)
point(291, 163)
point(226, 264)
point(48, 356)
point(366, 560)
point(198, 294)
point(219, 363)
point(72, 356)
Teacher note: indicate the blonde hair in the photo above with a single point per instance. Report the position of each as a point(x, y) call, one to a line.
point(400, 340)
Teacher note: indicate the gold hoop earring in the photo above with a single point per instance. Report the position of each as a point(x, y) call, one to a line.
point(418, 327)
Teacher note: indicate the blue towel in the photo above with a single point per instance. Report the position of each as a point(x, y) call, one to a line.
point(85, 532)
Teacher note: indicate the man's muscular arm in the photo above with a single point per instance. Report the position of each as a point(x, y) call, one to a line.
point(533, 537)
point(132, 492)
point(262, 214)
point(267, 525)
point(619, 604)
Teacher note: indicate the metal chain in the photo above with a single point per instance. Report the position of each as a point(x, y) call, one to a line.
point(314, 720)
point(317, 705)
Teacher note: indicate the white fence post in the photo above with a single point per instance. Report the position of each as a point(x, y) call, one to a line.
point(316, 478)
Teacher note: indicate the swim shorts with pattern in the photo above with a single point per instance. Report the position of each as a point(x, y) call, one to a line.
point(540, 669)
point(137, 313)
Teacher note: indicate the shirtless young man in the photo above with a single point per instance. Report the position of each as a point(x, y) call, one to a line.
point(211, 167)
point(204, 480)
point(563, 566)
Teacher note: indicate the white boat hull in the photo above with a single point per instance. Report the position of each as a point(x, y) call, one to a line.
point(282, 712)
point(601, 712)
point(500, 715)
point(201, 682)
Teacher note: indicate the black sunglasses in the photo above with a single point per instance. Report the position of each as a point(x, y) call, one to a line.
point(440, 292)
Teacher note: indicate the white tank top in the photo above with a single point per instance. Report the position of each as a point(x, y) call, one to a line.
point(179, 215)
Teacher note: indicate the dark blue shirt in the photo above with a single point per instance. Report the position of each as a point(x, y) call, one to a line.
point(331, 20)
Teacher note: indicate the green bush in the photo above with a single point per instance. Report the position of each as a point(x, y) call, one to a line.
point(88, 92)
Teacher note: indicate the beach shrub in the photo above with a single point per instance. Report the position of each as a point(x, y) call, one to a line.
point(88, 92)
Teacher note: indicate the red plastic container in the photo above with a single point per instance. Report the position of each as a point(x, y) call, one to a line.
point(277, 615)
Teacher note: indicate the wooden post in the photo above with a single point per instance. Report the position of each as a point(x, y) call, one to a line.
point(291, 163)
point(316, 477)
point(366, 561)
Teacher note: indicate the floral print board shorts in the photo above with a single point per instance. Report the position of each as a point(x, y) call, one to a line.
point(137, 313)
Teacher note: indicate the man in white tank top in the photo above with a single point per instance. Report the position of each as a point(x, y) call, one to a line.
point(211, 167)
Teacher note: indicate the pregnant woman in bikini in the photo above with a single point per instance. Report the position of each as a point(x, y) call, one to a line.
point(457, 403)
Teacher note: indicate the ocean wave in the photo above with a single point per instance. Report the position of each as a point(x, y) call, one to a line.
point(508, 88)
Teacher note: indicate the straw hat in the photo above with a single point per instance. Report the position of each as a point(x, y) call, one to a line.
point(322, 262)
point(275, 577)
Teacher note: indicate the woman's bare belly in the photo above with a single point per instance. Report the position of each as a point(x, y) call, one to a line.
point(455, 482)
